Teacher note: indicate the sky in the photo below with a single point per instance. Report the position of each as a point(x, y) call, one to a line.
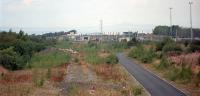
point(38, 16)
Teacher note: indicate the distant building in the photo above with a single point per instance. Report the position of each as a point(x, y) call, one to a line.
point(126, 36)
point(72, 34)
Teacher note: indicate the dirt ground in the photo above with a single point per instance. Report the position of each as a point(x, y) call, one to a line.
point(85, 79)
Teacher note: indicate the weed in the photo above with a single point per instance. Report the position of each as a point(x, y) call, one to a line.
point(173, 74)
point(112, 59)
point(163, 63)
point(185, 74)
point(137, 91)
point(48, 73)
point(51, 59)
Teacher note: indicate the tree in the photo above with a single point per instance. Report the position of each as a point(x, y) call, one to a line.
point(161, 30)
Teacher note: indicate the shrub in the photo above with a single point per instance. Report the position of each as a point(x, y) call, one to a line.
point(8, 59)
point(171, 47)
point(172, 75)
point(136, 52)
point(39, 82)
point(137, 91)
point(160, 45)
point(163, 63)
point(148, 56)
point(193, 48)
point(185, 74)
point(112, 59)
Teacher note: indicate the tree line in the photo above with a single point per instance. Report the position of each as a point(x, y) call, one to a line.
point(182, 32)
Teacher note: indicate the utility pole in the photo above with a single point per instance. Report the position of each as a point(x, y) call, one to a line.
point(101, 26)
point(191, 31)
point(170, 20)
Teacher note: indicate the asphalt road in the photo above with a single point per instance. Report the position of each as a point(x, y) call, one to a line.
point(154, 85)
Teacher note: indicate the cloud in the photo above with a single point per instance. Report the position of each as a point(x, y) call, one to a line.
point(27, 2)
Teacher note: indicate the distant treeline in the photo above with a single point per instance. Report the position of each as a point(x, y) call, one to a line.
point(16, 49)
point(57, 33)
point(181, 31)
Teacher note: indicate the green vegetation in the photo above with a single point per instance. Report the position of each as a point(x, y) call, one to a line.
point(16, 49)
point(161, 51)
point(64, 44)
point(91, 50)
point(161, 30)
point(183, 75)
point(48, 60)
point(181, 31)
point(139, 52)
point(112, 59)
point(164, 64)
point(94, 59)
point(137, 91)
point(48, 73)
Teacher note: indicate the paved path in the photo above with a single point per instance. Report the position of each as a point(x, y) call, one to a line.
point(154, 85)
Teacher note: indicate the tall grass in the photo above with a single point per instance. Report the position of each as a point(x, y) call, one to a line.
point(64, 44)
point(48, 60)
point(142, 53)
point(91, 50)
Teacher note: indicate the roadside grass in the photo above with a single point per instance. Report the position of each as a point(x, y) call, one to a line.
point(49, 60)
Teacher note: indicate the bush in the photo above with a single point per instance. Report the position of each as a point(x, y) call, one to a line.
point(163, 63)
point(185, 74)
point(148, 56)
point(160, 45)
point(173, 74)
point(112, 59)
point(8, 59)
point(171, 47)
point(136, 52)
point(193, 48)
point(39, 82)
point(137, 91)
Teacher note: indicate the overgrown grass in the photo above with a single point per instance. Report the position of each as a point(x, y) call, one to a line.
point(64, 44)
point(143, 54)
point(48, 60)
point(184, 74)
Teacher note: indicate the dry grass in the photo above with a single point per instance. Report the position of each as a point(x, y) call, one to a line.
point(109, 72)
point(187, 59)
point(22, 83)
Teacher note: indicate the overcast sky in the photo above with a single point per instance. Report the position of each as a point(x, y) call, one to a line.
point(84, 15)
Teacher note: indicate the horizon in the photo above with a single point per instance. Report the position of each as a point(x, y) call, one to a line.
point(42, 16)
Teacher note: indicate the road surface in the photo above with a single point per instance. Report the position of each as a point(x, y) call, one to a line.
point(154, 85)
